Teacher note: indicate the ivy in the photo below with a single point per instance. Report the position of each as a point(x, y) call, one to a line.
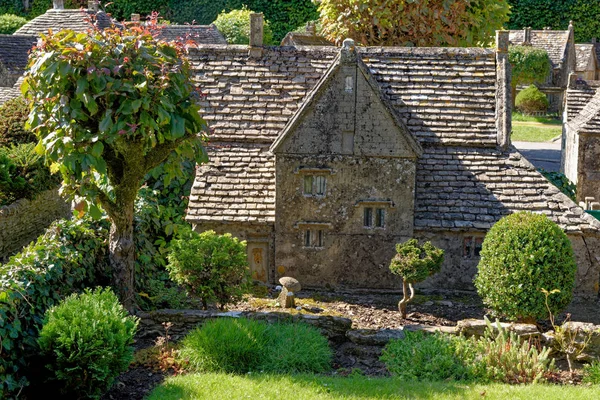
point(529, 65)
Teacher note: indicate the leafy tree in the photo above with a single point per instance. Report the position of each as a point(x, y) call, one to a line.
point(531, 100)
point(413, 23)
point(235, 26)
point(529, 65)
point(414, 264)
point(108, 107)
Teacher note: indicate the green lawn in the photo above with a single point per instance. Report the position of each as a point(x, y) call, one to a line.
point(310, 387)
point(516, 117)
point(535, 129)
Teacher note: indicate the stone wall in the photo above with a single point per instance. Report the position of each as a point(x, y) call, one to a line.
point(24, 220)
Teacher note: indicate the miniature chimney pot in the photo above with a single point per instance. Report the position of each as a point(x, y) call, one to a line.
point(256, 29)
point(93, 6)
point(135, 18)
point(58, 4)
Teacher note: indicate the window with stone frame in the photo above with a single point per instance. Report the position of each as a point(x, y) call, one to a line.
point(315, 185)
point(313, 238)
point(374, 217)
point(472, 246)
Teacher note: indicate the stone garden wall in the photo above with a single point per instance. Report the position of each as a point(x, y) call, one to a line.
point(24, 220)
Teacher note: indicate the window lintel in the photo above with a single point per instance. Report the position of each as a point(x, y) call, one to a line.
point(375, 203)
point(312, 225)
point(313, 171)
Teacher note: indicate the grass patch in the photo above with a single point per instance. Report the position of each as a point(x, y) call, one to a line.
point(522, 132)
point(518, 117)
point(222, 386)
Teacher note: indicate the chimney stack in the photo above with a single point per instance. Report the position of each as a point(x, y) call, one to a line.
point(135, 18)
point(311, 28)
point(256, 30)
point(58, 4)
point(527, 36)
point(93, 6)
point(503, 90)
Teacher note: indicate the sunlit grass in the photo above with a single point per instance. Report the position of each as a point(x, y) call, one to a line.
point(544, 120)
point(534, 133)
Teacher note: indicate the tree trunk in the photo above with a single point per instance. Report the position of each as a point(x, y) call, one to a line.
point(406, 298)
point(122, 253)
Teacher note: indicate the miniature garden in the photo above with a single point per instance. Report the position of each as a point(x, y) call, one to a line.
point(126, 301)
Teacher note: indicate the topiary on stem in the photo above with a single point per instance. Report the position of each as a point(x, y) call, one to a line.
point(521, 254)
point(414, 264)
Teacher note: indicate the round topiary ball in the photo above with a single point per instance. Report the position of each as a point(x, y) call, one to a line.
point(531, 100)
point(522, 254)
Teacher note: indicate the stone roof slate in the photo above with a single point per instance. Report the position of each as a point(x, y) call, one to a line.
point(304, 39)
point(554, 42)
point(584, 52)
point(8, 93)
point(58, 19)
point(14, 51)
point(583, 106)
point(200, 34)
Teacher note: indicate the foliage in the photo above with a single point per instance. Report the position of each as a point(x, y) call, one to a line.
point(529, 65)
point(23, 173)
point(163, 356)
point(66, 259)
point(531, 100)
point(591, 373)
point(9, 23)
point(87, 340)
point(109, 106)
point(13, 116)
point(531, 133)
point(426, 357)
point(503, 357)
point(211, 267)
point(235, 26)
point(413, 23)
point(522, 253)
point(228, 345)
point(518, 117)
point(414, 263)
point(563, 183)
point(243, 345)
point(540, 14)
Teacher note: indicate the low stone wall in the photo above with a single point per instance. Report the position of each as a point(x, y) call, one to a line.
point(183, 321)
point(24, 220)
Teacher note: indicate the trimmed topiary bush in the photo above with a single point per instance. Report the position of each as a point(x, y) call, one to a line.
point(235, 26)
point(87, 339)
point(211, 267)
point(9, 23)
point(13, 115)
point(522, 254)
point(531, 100)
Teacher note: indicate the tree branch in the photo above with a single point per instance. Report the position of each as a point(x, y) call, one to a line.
point(160, 153)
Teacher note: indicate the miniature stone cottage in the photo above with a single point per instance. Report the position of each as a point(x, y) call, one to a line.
point(322, 159)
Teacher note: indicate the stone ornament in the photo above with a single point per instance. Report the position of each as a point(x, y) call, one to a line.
point(289, 286)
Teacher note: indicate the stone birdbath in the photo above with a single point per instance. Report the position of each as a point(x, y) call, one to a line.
point(289, 286)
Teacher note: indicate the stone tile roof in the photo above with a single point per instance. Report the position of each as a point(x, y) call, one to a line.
point(304, 39)
point(14, 51)
point(200, 34)
point(554, 42)
point(461, 188)
point(583, 106)
point(8, 93)
point(446, 98)
point(584, 52)
point(58, 19)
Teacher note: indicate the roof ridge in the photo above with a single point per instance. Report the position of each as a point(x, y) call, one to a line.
point(589, 111)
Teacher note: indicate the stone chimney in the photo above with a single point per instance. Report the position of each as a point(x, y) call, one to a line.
point(348, 52)
point(93, 6)
point(311, 28)
point(58, 4)
point(503, 90)
point(256, 35)
point(135, 18)
point(527, 36)
point(571, 26)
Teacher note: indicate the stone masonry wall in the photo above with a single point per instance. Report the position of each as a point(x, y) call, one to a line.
point(24, 220)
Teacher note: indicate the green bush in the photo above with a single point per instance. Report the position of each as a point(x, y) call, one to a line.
point(531, 100)
point(211, 267)
point(9, 23)
point(66, 259)
point(591, 373)
point(87, 339)
point(243, 345)
point(422, 356)
point(563, 183)
point(13, 115)
point(228, 345)
point(235, 26)
point(522, 254)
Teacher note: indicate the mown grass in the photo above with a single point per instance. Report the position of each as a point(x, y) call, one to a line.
point(517, 117)
point(534, 133)
point(231, 387)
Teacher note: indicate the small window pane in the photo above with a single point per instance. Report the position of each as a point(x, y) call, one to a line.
point(467, 246)
point(478, 246)
point(380, 218)
point(308, 184)
point(307, 238)
point(368, 217)
point(320, 239)
point(320, 185)
point(349, 84)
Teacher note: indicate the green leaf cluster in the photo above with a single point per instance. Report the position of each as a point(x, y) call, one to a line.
point(9, 23)
point(235, 26)
point(531, 100)
point(529, 65)
point(414, 263)
point(211, 267)
point(86, 340)
point(561, 181)
point(242, 345)
point(413, 23)
point(521, 254)
point(13, 117)
point(66, 259)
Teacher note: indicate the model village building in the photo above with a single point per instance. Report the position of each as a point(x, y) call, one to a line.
point(323, 159)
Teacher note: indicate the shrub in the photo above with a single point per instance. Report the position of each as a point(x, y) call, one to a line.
point(235, 26)
point(591, 373)
point(529, 65)
point(13, 115)
point(531, 100)
point(414, 263)
point(9, 23)
point(522, 254)
point(66, 259)
point(426, 357)
point(87, 339)
point(212, 267)
point(563, 183)
point(243, 345)
point(227, 345)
